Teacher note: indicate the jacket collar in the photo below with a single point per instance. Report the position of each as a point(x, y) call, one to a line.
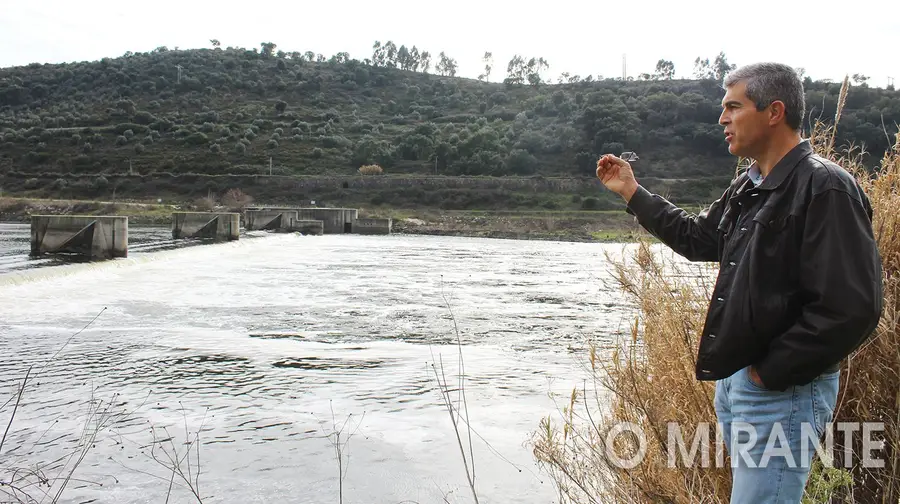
point(786, 165)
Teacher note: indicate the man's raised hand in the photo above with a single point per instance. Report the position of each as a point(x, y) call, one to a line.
point(617, 176)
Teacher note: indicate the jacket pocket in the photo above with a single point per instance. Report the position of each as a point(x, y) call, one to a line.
point(770, 221)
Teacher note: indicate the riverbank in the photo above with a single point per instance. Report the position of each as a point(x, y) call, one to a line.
point(21, 209)
point(599, 226)
point(572, 226)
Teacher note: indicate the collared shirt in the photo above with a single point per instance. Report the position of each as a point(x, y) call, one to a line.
point(755, 176)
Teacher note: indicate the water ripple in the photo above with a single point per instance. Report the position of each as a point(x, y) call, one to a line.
point(267, 346)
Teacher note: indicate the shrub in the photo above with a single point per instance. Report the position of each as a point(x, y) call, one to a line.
point(197, 138)
point(100, 183)
point(590, 203)
point(144, 117)
point(372, 169)
point(334, 142)
point(205, 204)
point(236, 200)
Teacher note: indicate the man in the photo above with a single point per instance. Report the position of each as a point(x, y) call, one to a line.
point(799, 284)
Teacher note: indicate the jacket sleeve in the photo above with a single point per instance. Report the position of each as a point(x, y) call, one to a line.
point(841, 279)
point(695, 237)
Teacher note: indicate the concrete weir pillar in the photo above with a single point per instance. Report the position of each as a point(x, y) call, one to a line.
point(270, 219)
point(373, 226)
point(206, 225)
point(334, 220)
point(308, 227)
point(85, 235)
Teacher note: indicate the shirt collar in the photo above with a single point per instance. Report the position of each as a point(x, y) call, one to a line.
point(784, 167)
point(755, 176)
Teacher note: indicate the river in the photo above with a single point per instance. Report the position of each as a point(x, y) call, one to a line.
point(258, 351)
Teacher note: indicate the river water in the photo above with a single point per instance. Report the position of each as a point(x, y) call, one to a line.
point(252, 354)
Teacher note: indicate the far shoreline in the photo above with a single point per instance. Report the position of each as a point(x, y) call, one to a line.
point(563, 226)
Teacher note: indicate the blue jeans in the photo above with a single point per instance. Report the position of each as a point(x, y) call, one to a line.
point(765, 432)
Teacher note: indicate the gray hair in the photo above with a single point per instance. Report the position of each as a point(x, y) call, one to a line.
point(768, 82)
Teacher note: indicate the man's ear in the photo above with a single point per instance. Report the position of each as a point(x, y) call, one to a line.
point(777, 112)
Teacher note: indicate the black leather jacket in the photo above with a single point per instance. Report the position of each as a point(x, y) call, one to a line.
point(800, 280)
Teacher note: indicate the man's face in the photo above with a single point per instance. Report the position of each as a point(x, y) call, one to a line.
point(746, 129)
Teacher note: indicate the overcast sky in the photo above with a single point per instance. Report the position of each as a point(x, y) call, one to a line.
point(827, 38)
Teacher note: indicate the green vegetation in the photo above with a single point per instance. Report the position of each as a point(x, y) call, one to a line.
point(294, 126)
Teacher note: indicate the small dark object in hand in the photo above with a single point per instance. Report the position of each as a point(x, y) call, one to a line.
point(629, 156)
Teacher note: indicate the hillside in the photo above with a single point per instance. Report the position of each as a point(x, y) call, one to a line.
point(288, 126)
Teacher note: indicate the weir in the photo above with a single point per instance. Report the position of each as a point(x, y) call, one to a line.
point(373, 226)
point(92, 237)
point(308, 227)
point(270, 219)
point(206, 225)
point(334, 220)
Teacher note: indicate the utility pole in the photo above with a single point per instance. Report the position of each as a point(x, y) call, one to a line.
point(270, 166)
point(624, 72)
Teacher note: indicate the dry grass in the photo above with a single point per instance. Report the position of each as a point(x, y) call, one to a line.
point(207, 204)
point(372, 169)
point(648, 378)
point(870, 381)
point(236, 200)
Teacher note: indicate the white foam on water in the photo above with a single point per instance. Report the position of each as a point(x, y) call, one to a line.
point(260, 340)
point(196, 252)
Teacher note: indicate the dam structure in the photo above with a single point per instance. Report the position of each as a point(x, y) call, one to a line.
point(216, 226)
point(334, 220)
point(373, 226)
point(271, 219)
point(88, 236)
